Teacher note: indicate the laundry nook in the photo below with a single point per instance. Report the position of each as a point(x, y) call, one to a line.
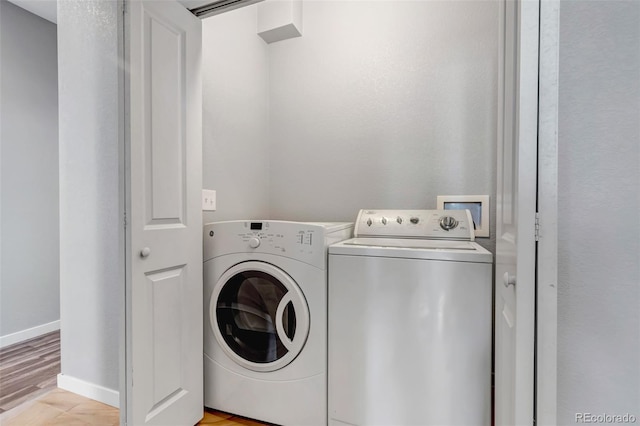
point(319, 212)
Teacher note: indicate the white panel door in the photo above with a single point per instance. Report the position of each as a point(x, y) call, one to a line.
point(515, 216)
point(164, 377)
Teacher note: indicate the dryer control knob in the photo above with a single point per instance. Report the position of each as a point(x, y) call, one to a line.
point(384, 220)
point(254, 242)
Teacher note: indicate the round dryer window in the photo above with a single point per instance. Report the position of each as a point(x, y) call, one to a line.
point(259, 316)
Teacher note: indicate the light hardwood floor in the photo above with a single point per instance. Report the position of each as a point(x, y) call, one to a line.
point(28, 369)
point(59, 407)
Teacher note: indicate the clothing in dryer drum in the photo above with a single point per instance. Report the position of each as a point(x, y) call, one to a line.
point(259, 316)
point(246, 316)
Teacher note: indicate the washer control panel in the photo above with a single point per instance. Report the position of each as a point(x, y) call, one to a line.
point(425, 224)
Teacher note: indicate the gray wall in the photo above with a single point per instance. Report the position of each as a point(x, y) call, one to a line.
point(599, 209)
point(235, 82)
point(91, 257)
point(29, 283)
point(383, 105)
point(377, 105)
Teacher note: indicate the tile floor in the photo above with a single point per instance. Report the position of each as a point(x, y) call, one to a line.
point(59, 407)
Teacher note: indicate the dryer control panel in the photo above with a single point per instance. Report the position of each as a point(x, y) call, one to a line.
point(424, 224)
point(306, 242)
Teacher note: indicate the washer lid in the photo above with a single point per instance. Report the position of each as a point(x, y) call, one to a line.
point(460, 251)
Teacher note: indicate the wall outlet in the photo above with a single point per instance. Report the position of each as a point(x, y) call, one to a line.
point(208, 200)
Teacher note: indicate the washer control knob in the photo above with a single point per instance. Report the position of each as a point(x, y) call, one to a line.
point(384, 220)
point(448, 223)
point(399, 220)
point(414, 220)
point(369, 222)
point(254, 242)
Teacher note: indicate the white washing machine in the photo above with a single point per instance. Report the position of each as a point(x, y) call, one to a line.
point(265, 313)
point(410, 321)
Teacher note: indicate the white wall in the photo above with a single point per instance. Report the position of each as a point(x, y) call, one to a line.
point(599, 209)
point(236, 153)
point(29, 283)
point(377, 105)
point(91, 230)
point(383, 104)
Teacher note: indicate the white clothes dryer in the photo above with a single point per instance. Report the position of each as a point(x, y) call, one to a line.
point(410, 321)
point(265, 313)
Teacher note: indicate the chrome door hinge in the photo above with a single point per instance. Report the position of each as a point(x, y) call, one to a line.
point(537, 226)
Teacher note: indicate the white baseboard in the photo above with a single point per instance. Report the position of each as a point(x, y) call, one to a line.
point(89, 390)
point(29, 333)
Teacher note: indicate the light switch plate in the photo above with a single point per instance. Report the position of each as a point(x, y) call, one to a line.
point(208, 200)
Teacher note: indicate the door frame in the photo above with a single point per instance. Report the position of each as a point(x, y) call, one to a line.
point(546, 321)
point(123, 125)
point(544, 392)
point(547, 250)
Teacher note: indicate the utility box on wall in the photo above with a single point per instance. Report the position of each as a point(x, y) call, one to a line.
point(279, 20)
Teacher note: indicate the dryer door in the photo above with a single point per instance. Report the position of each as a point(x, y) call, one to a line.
point(259, 316)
